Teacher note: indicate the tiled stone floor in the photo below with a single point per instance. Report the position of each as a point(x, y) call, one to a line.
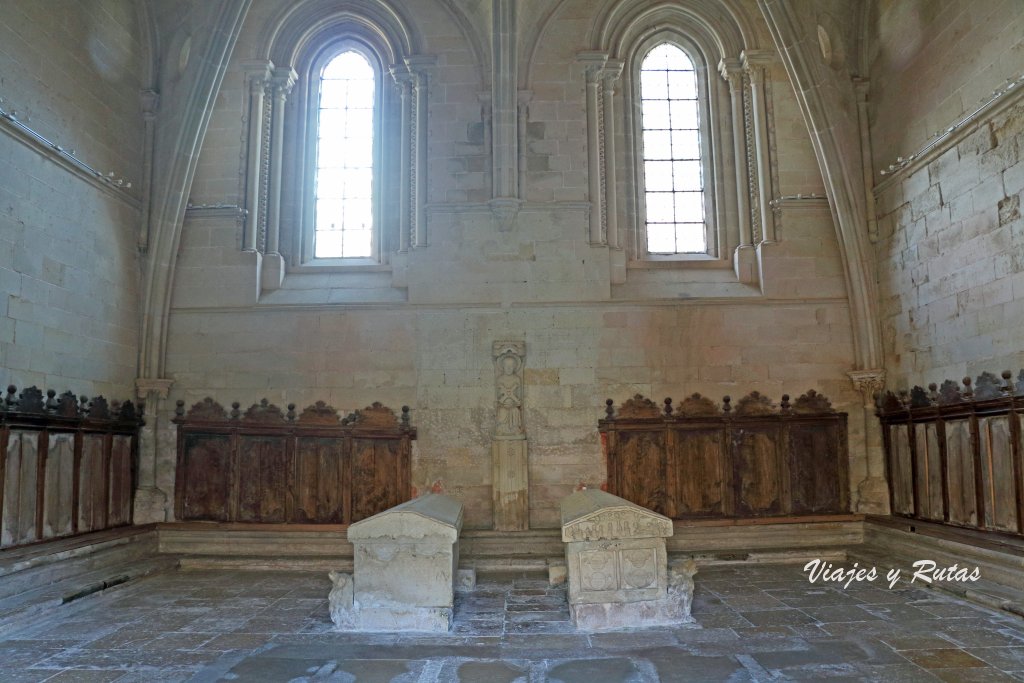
point(757, 623)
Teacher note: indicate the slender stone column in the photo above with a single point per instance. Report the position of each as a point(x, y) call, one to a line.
point(755, 63)
point(504, 85)
point(282, 83)
point(732, 72)
point(150, 100)
point(403, 81)
point(258, 74)
point(593, 65)
point(609, 75)
point(273, 263)
point(151, 503)
point(861, 85)
point(524, 143)
point(509, 463)
point(418, 66)
point(874, 490)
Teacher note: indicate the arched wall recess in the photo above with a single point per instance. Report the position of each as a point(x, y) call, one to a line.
point(278, 175)
point(731, 70)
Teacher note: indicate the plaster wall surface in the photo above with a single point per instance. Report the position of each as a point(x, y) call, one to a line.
point(68, 266)
point(951, 248)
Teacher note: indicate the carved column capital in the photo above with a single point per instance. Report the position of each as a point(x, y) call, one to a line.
point(756, 61)
point(868, 383)
point(731, 69)
point(149, 100)
point(282, 81)
point(420, 66)
point(611, 71)
point(144, 386)
point(258, 73)
point(861, 86)
point(593, 65)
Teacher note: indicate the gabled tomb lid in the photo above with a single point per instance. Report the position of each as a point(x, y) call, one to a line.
point(594, 515)
point(431, 516)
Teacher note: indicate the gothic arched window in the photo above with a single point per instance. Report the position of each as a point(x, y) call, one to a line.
point(344, 177)
point(673, 173)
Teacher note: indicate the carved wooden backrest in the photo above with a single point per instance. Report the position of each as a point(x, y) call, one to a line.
point(265, 464)
point(705, 459)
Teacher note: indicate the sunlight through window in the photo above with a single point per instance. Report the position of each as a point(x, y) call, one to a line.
point(673, 176)
point(344, 160)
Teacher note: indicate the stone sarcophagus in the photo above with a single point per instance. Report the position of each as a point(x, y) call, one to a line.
point(405, 561)
point(618, 567)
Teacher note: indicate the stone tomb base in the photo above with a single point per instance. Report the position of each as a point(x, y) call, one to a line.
point(618, 567)
point(672, 609)
point(405, 563)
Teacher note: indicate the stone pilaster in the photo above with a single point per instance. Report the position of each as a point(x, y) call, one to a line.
point(152, 504)
point(873, 490)
point(509, 460)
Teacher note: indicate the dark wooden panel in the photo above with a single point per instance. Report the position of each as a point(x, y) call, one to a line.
point(319, 486)
point(702, 476)
point(60, 473)
point(815, 478)
point(928, 472)
point(960, 468)
point(900, 468)
point(120, 499)
point(92, 496)
point(264, 478)
point(997, 474)
point(206, 476)
point(375, 472)
point(20, 489)
point(643, 475)
point(757, 468)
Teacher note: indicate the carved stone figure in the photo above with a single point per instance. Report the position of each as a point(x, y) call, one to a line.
point(340, 600)
point(680, 585)
point(509, 382)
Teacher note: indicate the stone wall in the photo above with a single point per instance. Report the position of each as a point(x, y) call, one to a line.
point(68, 266)
point(421, 333)
point(950, 262)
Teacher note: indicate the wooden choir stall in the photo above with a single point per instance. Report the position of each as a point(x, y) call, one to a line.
point(699, 459)
point(270, 466)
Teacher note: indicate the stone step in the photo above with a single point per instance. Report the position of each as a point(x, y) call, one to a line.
point(57, 578)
